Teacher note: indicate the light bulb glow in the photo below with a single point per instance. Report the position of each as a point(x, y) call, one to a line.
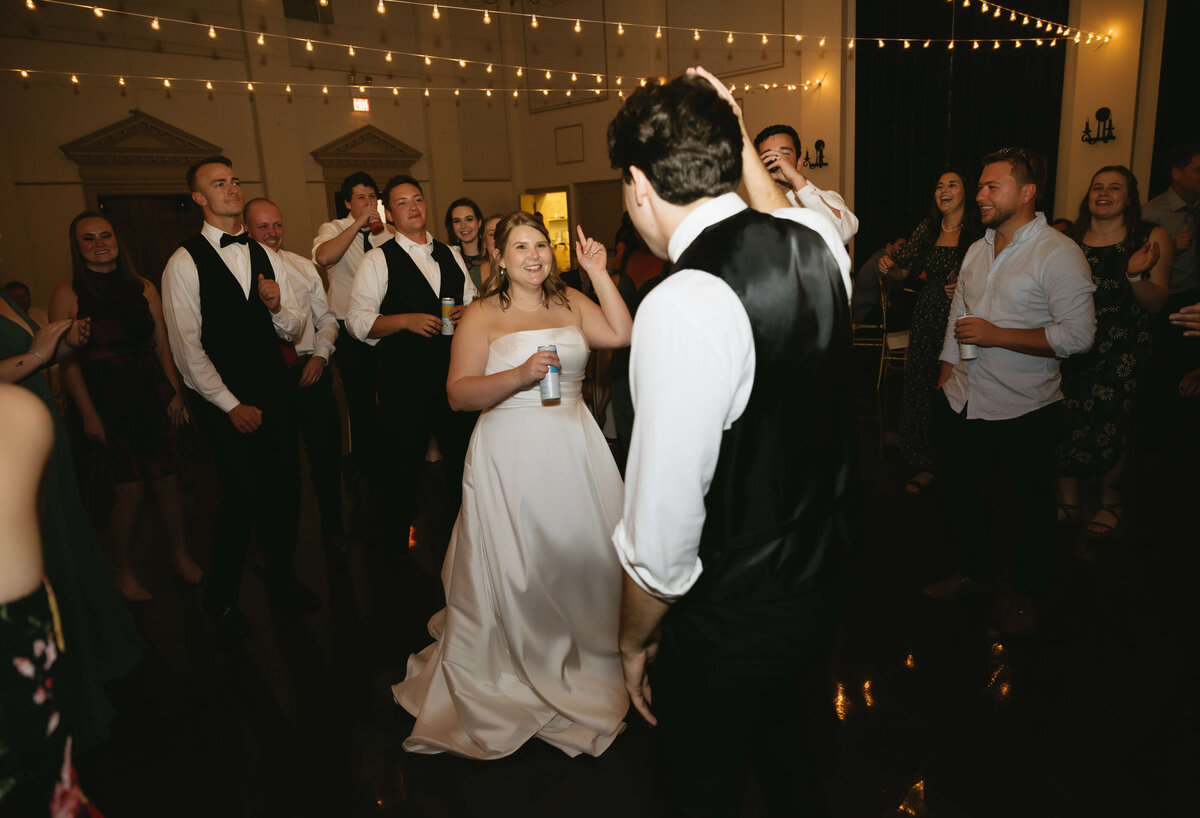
point(427, 60)
point(764, 38)
point(250, 87)
point(455, 92)
point(618, 80)
point(578, 28)
point(75, 79)
point(462, 63)
point(120, 80)
point(515, 92)
point(325, 89)
point(643, 82)
point(395, 91)
point(520, 71)
point(261, 39)
point(489, 68)
point(388, 56)
point(24, 74)
point(166, 83)
point(658, 33)
point(881, 43)
point(547, 74)
point(99, 12)
point(426, 92)
point(212, 32)
point(287, 88)
point(380, 7)
point(154, 24)
point(822, 43)
point(29, 4)
point(799, 37)
point(620, 28)
point(573, 77)
point(208, 85)
point(489, 92)
point(487, 18)
point(696, 34)
point(350, 51)
point(533, 21)
point(926, 44)
point(308, 45)
point(436, 14)
point(906, 43)
point(729, 39)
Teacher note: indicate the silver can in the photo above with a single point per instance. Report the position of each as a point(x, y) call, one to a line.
point(447, 324)
point(550, 382)
point(967, 352)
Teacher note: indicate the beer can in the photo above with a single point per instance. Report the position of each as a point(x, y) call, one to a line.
point(447, 324)
point(967, 352)
point(550, 382)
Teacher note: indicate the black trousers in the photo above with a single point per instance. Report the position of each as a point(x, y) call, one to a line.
point(321, 431)
point(259, 479)
point(1163, 411)
point(1024, 445)
point(409, 417)
point(357, 365)
point(716, 721)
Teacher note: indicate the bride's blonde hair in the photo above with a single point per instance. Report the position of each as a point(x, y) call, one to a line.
point(553, 288)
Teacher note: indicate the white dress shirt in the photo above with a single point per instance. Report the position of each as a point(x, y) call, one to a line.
point(691, 372)
point(341, 272)
point(1041, 280)
point(371, 282)
point(813, 197)
point(320, 325)
point(182, 313)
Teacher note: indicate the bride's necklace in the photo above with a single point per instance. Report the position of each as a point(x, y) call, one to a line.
point(541, 304)
point(954, 229)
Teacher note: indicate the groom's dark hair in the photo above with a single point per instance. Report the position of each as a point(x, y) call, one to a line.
point(683, 136)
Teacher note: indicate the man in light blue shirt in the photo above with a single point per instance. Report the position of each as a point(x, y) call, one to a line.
point(1026, 290)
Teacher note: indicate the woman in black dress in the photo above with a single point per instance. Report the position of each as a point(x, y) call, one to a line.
point(127, 391)
point(463, 222)
point(935, 249)
point(1131, 267)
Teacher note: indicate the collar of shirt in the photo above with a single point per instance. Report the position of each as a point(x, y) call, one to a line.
point(214, 233)
point(704, 216)
point(1175, 202)
point(411, 246)
point(1021, 236)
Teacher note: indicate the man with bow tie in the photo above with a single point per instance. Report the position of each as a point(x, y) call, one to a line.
point(232, 319)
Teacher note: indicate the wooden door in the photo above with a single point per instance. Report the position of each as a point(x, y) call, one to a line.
point(151, 228)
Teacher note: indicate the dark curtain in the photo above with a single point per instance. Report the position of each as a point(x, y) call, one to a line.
point(920, 110)
point(1178, 119)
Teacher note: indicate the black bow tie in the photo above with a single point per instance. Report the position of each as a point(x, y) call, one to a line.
point(240, 238)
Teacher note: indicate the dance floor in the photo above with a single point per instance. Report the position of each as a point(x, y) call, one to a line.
point(922, 708)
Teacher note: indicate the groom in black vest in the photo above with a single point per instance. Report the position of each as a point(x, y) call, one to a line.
point(742, 455)
point(396, 306)
point(232, 321)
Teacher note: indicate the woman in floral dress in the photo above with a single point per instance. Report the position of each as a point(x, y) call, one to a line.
point(1131, 263)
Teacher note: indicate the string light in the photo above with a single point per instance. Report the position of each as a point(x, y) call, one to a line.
point(906, 44)
point(212, 32)
point(427, 60)
point(1018, 44)
point(533, 21)
point(287, 88)
point(250, 87)
point(514, 93)
point(380, 7)
point(729, 39)
point(620, 28)
point(436, 14)
point(520, 71)
point(597, 79)
point(547, 74)
point(29, 4)
point(573, 77)
point(350, 51)
point(489, 92)
point(308, 45)
point(208, 85)
point(822, 43)
point(462, 63)
point(99, 12)
point(996, 45)
point(764, 39)
point(881, 43)
point(643, 82)
point(975, 45)
point(395, 91)
point(851, 46)
point(618, 80)
point(325, 89)
point(166, 83)
point(799, 37)
point(24, 74)
point(489, 68)
point(487, 18)
point(926, 44)
point(455, 92)
point(658, 33)
point(261, 40)
point(426, 92)
point(121, 81)
point(578, 28)
point(388, 56)
point(696, 34)
point(74, 79)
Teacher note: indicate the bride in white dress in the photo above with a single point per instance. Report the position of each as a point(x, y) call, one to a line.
point(527, 643)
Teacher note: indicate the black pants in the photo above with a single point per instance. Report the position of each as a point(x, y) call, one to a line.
point(1163, 410)
point(321, 430)
point(966, 449)
point(716, 721)
point(259, 478)
point(409, 417)
point(357, 365)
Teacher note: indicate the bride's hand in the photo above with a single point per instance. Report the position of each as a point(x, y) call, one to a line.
point(592, 255)
point(539, 363)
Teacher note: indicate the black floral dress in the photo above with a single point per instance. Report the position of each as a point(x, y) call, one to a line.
point(925, 337)
point(1098, 386)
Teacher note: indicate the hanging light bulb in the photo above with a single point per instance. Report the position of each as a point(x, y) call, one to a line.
point(29, 4)
point(577, 27)
point(380, 7)
point(950, 46)
point(250, 87)
point(997, 12)
point(75, 79)
point(489, 68)
point(426, 92)
point(325, 89)
point(851, 46)
point(427, 60)
point(658, 33)
point(983, 8)
point(618, 80)
point(620, 28)
point(822, 43)
point(881, 43)
point(906, 43)
point(154, 24)
point(547, 73)
point(261, 39)
point(99, 12)
point(926, 44)
point(166, 83)
point(436, 14)
point(462, 63)
point(976, 45)
point(350, 51)
point(729, 39)
point(388, 56)
point(514, 92)
point(487, 18)
point(643, 82)
point(573, 77)
point(1039, 42)
point(489, 92)
point(621, 94)
point(996, 45)
point(324, 3)
point(208, 85)
point(597, 91)
point(1012, 18)
point(1025, 20)
point(545, 92)
point(212, 32)
point(568, 92)
point(455, 92)
point(362, 89)
point(1018, 44)
point(120, 80)
point(799, 37)
point(696, 34)
point(520, 71)
point(764, 39)
point(395, 91)
point(288, 88)
point(533, 21)
point(597, 79)
point(308, 45)
point(24, 74)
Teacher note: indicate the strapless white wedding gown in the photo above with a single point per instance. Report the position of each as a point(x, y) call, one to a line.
point(527, 643)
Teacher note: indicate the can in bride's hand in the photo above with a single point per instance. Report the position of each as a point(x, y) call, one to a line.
point(550, 382)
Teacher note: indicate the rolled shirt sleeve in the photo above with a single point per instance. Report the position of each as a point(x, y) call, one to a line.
point(813, 197)
point(289, 321)
point(691, 373)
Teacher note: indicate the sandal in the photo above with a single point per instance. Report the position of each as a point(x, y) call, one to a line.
point(1098, 530)
point(1069, 513)
point(919, 483)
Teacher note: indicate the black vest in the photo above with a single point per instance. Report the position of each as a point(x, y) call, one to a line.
point(408, 360)
point(777, 509)
point(235, 331)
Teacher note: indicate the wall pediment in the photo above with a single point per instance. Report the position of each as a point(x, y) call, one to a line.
point(366, 148)
point(141, 140)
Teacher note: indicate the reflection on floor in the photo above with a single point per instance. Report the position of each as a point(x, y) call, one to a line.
point(924, 709)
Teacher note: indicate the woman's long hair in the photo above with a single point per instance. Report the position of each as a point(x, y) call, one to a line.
point(452, 236)
point(124, 272)
point(1133, 207)
point(553, 288)
point(971, 227)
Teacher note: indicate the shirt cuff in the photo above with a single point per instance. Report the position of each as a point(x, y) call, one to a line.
point(641, 574)
point(224, 400)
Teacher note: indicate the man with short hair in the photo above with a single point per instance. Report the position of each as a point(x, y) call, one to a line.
point(738, 482)
point(1176, 210)
point(396, 307)
point(231, 318)
point(778, 147)
point(317, 411)
point(21, 294)
point(1028, 291)
point(339, 247)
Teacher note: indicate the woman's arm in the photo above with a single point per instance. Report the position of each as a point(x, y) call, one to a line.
point(63, 304)
point(610, 325)
point(467, 388)
point(177, 408)
point(43, 351)
point(1154, 258)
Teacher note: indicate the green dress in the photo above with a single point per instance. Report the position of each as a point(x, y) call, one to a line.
point(925, 337)
point(1099, 385)
point(101, 640)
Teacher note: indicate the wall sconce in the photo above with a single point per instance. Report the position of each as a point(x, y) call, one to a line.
point(1104, 128)
point(819, 162)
